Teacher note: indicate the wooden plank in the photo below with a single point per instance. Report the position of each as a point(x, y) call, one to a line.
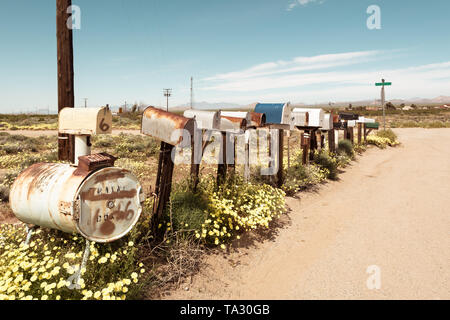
point(66, 98)
point(359, 133)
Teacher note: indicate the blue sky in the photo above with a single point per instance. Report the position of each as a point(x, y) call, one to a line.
point(238, 51)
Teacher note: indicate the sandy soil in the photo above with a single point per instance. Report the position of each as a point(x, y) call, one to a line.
point(390, 209)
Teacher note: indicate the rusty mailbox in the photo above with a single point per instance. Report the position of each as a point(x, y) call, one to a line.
point(166, 126)
point(174, 131)
point(90, 197)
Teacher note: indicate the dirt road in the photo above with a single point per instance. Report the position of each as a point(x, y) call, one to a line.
point(390, 209)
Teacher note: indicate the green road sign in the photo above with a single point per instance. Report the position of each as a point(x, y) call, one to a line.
point(383, 84)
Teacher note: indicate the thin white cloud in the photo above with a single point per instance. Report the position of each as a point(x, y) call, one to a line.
point(298, 64)
point(305, 79)
point(295, 3)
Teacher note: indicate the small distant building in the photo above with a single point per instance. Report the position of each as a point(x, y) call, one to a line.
point(407, 108)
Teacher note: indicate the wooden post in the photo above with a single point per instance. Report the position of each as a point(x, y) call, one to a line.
point(305, 148)
point(280, 179)
point(331, 141)
point(66, 143)
point(365, 133)
point(359, 133)
point(163, 180)
point(247, 161)
point(222, 167)
point(352, 135)
point(313, 144)
point(195, 161)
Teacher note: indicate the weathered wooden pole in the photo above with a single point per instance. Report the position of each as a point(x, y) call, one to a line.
point(280, 179)
point(359, 133)
point(365, 132)
point(331, 141)
point(305, 148)
point(222, 167)
point(66, 99)
point(163, 180)
point(195, 160)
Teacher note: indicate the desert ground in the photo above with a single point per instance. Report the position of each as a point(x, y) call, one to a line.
point(389, 209)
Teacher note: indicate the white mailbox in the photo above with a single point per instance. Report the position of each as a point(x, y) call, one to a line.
point(299, 119)
point(316, 116)
point(85, 121)
point(207, 120)
point(327, 122)
point(365, 120)
point(351, 123)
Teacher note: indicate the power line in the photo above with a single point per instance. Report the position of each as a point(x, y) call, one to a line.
point(167, 94)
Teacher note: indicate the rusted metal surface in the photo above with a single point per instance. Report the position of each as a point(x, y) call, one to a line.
point(207, 120)
point(109, 204)
point(238, 114)
point(94, 162)
point(43, 195)
point(166, 126)
point(102, 205)
point(232, 124)
point(258, 120)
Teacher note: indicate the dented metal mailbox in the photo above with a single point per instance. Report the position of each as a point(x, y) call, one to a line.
point(276, 113)
point(258, 120)
point(300, 119)
point(86, 121)
point(166, 126)
point(207, 120)
point(95, 199)
point(253, 119)
point(327, 122)
point(238, 114)
point(316, 116)
point(365, 120)
point(232, 124)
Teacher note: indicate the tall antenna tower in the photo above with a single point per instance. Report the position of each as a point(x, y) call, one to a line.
point(192, 92)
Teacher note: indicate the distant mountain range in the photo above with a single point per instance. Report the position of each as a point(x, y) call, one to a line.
point(233, 106)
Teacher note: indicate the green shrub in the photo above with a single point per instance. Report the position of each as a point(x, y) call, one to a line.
point(324, 160)
point(346, 147)
point(389, 134)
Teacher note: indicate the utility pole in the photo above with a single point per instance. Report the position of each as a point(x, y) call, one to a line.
point(382, 84)
point(85, 102)
point(167, 94)
point(192, 92)
point(66, 99)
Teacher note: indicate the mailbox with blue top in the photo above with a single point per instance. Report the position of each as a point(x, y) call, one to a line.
point(278, 115)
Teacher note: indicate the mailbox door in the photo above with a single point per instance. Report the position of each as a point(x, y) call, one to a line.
point(109, 204)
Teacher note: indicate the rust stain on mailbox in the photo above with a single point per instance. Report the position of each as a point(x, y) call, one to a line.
point(258, 119)
point(232, 124)
point(166, 126)
point(102, 205)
